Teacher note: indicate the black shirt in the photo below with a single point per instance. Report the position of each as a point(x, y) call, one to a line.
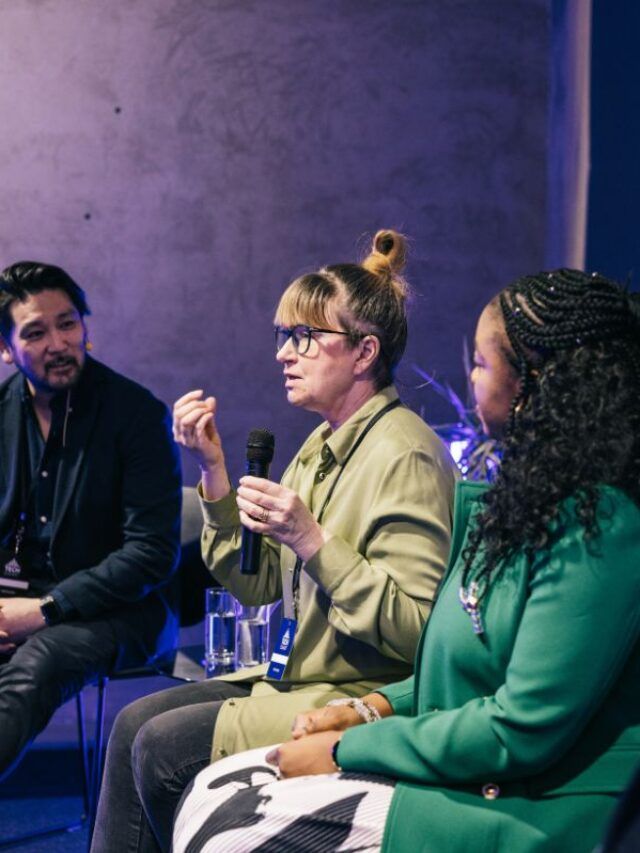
point(41, 470)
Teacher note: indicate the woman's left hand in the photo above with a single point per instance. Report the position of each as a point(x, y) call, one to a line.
point(278, 512)
point(305, 757)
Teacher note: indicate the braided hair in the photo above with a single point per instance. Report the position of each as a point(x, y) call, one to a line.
point(574, 425)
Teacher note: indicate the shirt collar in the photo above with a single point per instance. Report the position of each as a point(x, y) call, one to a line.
point(342, 440)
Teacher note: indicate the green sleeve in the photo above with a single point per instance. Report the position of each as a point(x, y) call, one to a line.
point(579, 625)
point(399, 695)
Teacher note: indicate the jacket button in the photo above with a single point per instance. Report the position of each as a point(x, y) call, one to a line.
point(490, 791)
point(222, 753)
point(321, 475)
point(232, 702)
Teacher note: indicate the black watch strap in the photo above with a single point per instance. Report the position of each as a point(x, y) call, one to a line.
point(51, 613)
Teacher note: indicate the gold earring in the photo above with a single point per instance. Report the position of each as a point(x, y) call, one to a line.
point(88, 346)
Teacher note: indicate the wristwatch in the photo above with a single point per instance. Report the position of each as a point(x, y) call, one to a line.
point(50, 611)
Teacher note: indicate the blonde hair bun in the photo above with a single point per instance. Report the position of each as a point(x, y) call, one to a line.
point(387, 258)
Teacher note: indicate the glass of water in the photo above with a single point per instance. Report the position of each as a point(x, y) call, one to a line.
point(252, 637)
point(220, 620)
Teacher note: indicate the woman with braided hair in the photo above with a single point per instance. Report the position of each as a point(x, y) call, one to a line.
point(573, 342)
point(521, 724)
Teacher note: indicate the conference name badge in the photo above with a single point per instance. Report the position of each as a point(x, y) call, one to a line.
point(282, 651)
point(12, 579)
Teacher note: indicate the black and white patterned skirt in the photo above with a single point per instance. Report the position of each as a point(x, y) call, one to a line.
point(238, 804)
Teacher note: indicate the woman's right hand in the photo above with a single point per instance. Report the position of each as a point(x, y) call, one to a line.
point(337, 718)
point(330, 718)
point(194, 427)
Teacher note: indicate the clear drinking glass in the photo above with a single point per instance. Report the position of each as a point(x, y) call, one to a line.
point(252, 636)
point(220, 624)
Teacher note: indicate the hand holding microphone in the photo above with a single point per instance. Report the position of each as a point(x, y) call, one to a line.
point(260, 446)
point(269, 509)
point(266, 508)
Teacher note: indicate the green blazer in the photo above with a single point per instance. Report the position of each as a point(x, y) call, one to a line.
point(520, 742)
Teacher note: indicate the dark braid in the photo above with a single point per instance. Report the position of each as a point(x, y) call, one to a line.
point(574, 342)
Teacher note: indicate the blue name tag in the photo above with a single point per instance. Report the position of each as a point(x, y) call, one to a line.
point(280, 656)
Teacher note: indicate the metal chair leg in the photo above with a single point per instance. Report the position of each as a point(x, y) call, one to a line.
point(96, 766)
point(84, 755)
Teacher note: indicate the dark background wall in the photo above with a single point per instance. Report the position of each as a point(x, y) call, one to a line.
point(613, 234)
point(185, 159)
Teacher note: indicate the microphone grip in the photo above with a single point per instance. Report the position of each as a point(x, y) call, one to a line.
point(250, 554)
point(252, 542)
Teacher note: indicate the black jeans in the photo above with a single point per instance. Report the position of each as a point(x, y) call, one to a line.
point(50, 667)
point(157, 745)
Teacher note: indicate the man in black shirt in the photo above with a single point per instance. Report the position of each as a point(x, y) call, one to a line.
point(89, 509)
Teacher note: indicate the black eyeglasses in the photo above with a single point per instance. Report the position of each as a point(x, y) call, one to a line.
point(300, 336)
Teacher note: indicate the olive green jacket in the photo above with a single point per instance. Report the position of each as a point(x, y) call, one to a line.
point(366, 593)
point(520, 741)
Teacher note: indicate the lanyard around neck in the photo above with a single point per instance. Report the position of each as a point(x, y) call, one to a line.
point(297, 569)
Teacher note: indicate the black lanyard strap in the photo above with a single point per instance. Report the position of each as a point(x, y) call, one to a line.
point(25, 485)
point(295, 583)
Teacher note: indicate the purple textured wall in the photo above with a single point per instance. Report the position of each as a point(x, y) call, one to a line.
point(184, 159)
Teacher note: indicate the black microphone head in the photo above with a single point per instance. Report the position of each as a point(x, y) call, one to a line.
point(260, 445)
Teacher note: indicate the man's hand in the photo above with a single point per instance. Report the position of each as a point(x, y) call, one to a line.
point(19, 618)
point(5, 646)
point(305, 757)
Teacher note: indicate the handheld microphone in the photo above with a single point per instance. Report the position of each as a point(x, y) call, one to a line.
point(260, 446)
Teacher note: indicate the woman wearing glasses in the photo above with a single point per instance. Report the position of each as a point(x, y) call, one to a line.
point(356, 537)
point(522, 722)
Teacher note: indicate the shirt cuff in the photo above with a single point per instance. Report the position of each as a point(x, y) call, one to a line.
point(400, 695)
point(66, 608)
point(222, 513)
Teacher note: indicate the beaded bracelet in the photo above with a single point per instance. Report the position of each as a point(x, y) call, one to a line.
point(363, 708)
